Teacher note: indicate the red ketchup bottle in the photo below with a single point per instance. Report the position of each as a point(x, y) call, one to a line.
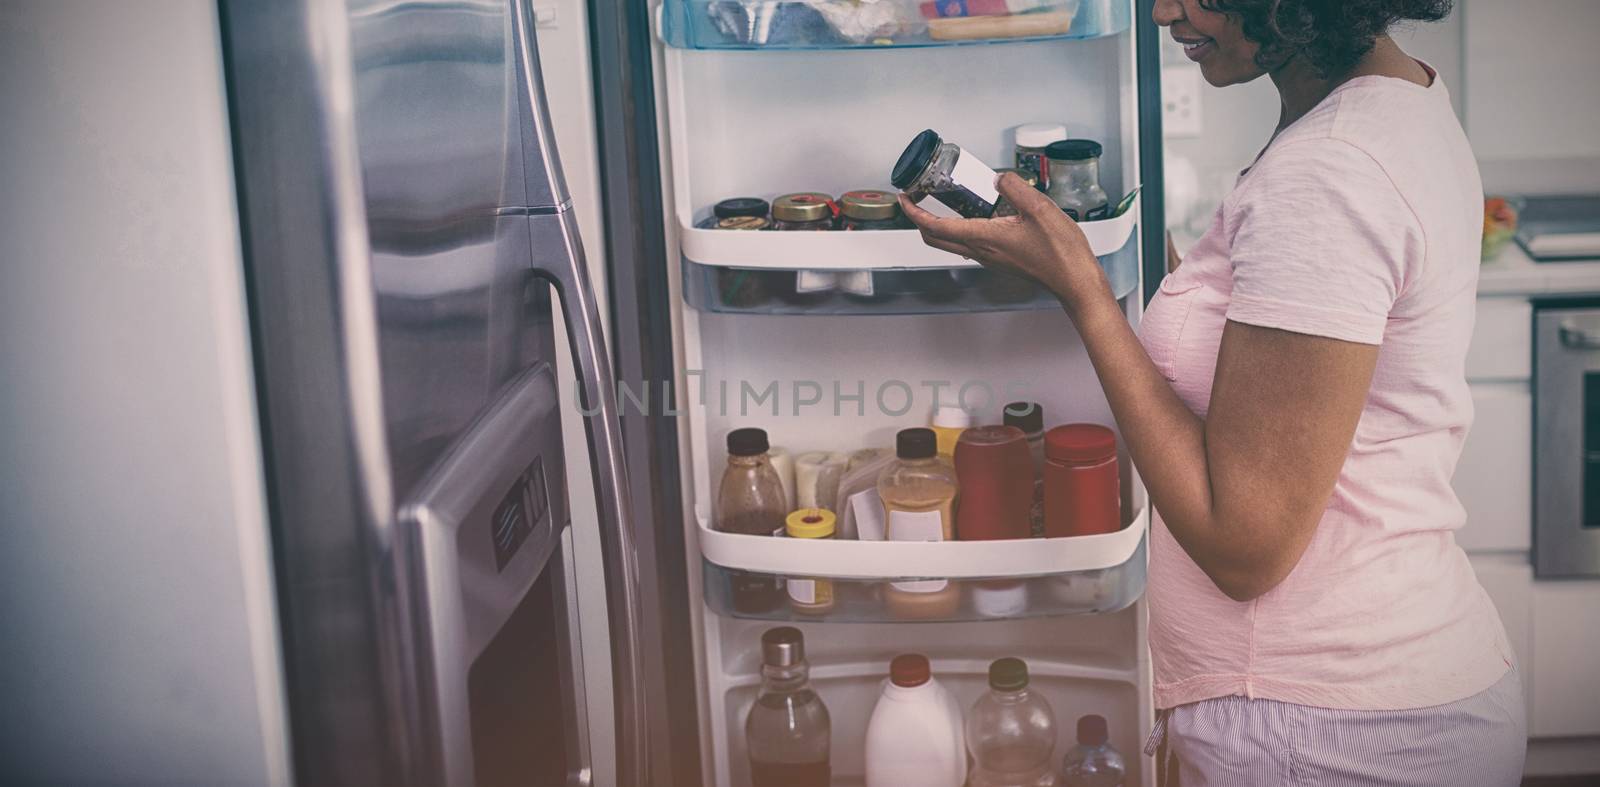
point(1082, 488)
point(995, 471)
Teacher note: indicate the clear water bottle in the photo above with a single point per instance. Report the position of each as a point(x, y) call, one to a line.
point(788, 731)
point(1011, 731)
point(1092, 763)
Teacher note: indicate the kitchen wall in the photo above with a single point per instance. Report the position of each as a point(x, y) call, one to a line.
point(1523, 75)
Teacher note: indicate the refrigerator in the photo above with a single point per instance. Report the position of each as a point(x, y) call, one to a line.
point(833, 341)
point(406, 231)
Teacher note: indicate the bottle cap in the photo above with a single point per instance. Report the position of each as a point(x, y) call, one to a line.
point(805, 206)
point(1008, 674)
point(784, 646)
point(1038, 135)
point(743, 223)
point(869, 204)
point(1073, 150)
point(1092, 730)
point(748, 441)
point(910, 669)
point(1027, 416)
point(915, 159)
point(740, 206)
point(810, 523)
point(951, 416)
point(917, 443)
point(1080, 443)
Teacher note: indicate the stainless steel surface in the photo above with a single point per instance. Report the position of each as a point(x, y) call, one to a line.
point(465, 592)
point(1566, 412)
point(782, 647)
point(549, 234)
point(404, 217)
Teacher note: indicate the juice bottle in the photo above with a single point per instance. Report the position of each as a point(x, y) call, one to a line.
point(751, 501)
point(919, 495)
point(788, 732)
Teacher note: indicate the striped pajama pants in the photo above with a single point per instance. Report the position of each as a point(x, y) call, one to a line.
point(1237, 742)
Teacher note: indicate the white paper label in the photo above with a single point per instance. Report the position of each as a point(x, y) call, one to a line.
point(803, 591)
point(917, 526)
point(856, 282)
point(975, 176)
point(868, 509)
point(815, 281)
point(937, 208)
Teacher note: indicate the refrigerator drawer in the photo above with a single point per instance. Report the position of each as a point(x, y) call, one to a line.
point(766, 578)
point(847, 24)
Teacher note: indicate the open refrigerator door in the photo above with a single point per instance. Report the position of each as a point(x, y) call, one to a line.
point(833, 341)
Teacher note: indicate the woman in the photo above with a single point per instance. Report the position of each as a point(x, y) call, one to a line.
point(1296, 409)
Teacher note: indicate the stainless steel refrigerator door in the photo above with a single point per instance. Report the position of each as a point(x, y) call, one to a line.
point(404, 222)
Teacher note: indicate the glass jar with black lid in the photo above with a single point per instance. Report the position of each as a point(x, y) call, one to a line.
point(931, 167)
point(1075, 179)
point(738, 213)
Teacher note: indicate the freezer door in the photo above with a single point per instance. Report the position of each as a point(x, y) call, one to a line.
point(405, 226)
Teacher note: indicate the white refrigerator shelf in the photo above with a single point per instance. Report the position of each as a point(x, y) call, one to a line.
point(861, 250)
point(887, 581)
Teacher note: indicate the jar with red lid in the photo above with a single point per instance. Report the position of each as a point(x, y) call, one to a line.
point(1082, 485)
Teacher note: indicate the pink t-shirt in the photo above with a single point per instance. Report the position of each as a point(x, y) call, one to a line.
point(1361, 222)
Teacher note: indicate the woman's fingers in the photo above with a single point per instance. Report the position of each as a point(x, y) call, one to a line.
point(1028, 200)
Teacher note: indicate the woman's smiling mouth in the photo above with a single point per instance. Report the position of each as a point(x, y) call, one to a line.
point(1196, 48)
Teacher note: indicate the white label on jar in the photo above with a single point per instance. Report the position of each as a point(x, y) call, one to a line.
point(803, 591)
point(975, 176)
point(868, 509)
point(856, 282)
point(917, 526)
point(815, 281)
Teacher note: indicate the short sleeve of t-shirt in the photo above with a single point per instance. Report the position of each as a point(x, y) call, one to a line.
point(1324, 243)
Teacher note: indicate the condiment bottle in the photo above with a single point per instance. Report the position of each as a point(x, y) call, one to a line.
point(788, 732)
point(803, 211)
point(808, 211)
point(996, 478)
point(870, 209)
point(919, 494)
point(1082, 486)
point(1075, 179)
point(948, 422)
point(738, 213)
point(1029, 417)
point(751, 501)
point(810, 595)
point(1031, 140)
point(929, 166)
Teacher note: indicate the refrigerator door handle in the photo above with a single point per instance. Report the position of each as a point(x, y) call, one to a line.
point(551, 229)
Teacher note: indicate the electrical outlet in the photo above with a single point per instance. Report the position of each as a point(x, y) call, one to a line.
point(1180, 102)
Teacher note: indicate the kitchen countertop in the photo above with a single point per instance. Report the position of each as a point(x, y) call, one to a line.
point(1514, 273)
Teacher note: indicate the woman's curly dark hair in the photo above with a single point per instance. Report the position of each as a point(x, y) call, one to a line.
point(1330, 34)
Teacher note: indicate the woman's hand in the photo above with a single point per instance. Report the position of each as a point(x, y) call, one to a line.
point(1041, 242)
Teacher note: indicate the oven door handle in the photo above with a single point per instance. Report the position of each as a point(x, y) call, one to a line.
point(1579, 337)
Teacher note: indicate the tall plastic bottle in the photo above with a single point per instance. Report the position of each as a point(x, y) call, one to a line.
point(914, 736)
point(1011, 731)
point(1093, 763)
point(787, 733)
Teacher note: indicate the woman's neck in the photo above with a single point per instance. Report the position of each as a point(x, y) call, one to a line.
point(1300, 88)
